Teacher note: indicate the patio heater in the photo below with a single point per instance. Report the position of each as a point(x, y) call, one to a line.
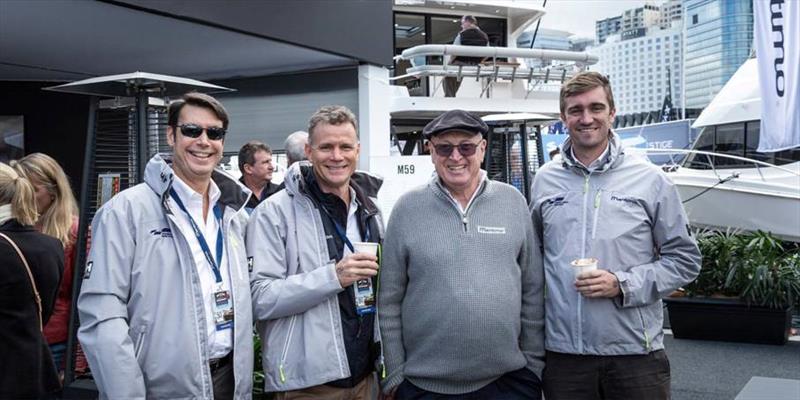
point(514, 148)
point(124, 131)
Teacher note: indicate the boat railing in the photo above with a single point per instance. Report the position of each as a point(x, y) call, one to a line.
point(557, 65)
point(709, 155)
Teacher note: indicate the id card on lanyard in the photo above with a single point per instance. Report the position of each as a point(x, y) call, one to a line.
point(362, 289)
point(223, 304)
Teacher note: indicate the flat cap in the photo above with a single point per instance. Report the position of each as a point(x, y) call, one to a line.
point(455, 120)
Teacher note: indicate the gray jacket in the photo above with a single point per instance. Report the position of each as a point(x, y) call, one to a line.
point(628, 215)
point(140, 306)
point(294, 288)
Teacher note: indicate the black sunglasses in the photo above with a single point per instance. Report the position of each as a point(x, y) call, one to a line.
point(193, 131)
point(466, 149)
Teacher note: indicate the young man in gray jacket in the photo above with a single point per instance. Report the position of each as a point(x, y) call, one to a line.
point(164, 306)
point(461, 300)
point(318, 340)
point(604, 327)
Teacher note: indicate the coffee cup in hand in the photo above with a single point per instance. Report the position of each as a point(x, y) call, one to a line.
point(582, 265)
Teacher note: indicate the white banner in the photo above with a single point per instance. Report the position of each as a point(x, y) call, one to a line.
point(777, 38)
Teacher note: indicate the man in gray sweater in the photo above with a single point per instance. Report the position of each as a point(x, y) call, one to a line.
point(461, 301)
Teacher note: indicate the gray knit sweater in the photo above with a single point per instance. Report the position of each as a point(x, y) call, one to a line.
point(461, 298)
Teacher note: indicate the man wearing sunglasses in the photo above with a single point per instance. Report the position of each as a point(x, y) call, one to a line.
point(604, 330)
point(461, 300)
point(319, 342)
point(165, 303)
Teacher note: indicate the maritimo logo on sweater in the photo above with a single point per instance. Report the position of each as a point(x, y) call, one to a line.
point(492, 230)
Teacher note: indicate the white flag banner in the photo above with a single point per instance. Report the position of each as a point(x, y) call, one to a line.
point(777, 38)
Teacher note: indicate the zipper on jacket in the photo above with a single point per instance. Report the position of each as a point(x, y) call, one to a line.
point(286, 348)
point(377, 338)
point(583, 255)
point(596, 213)
point(137, 347)
point(583, 219)
point(464, 221)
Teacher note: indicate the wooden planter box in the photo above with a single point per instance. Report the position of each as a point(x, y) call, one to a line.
point(728, 320)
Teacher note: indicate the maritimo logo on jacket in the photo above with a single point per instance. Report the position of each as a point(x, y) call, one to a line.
point(557, 201)
point(164, 232)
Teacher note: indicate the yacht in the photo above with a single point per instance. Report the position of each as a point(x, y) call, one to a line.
point(509, 81)
point(724, 182)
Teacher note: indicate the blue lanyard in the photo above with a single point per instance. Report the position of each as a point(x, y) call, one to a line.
point(340, 231)
point(201, 238)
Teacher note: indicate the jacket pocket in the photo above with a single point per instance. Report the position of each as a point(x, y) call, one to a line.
point(137, 345)
point(647, 343)
point(285, 351)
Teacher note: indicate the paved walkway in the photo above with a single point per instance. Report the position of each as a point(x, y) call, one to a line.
point(706, 370)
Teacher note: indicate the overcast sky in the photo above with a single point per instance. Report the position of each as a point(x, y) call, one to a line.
point(579, 16)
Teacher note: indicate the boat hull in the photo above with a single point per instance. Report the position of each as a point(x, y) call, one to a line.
point(746, 202)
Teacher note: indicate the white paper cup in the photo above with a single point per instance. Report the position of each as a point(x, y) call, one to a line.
point(582, 265)
point(366, 247)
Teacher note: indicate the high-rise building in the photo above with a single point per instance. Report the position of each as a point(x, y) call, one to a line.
point(550, 39)
point(719, 37)
point(671, 12)
point(642, 70)
point(641, 17)
point(607, 27)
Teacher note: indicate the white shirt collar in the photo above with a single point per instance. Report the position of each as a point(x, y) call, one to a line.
point(483, 178)
point(190, 198)
point(597, 163)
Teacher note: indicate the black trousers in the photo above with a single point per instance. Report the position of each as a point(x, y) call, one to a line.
point(223, 380)
point(632, 377)
point(521, 384)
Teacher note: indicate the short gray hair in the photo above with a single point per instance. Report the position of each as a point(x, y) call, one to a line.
point(295, 147)
point(331, 115)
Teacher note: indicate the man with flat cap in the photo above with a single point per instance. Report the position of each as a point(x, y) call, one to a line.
point(461, 301)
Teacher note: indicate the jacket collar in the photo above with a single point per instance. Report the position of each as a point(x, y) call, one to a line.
point(159, 176)
point(365, 185)
point(613, 156)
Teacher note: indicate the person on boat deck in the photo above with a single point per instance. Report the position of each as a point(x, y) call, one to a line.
point(603, 332)
point(461, 287)
point(470, 35)
point(165, 302)
point(255, 164)
point(318, 341)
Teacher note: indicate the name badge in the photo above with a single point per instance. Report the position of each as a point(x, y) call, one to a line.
point(223, 310)
point(365, 297)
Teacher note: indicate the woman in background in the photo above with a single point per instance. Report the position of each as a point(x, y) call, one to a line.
point(58, 217)
point(27, 369)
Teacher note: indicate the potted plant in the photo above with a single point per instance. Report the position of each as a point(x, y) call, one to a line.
point(745, 291)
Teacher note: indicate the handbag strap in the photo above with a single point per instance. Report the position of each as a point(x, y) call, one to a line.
point(30, 276)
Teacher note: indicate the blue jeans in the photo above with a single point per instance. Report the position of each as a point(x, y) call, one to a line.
point(521, 384)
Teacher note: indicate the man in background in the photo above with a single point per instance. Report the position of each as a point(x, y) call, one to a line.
point(255, 164)
point(295, 145)
point(470, 35)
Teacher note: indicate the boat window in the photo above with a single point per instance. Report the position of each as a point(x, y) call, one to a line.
point(704, 142)
point(753, 130)
point(777, 158)
point(729, 140)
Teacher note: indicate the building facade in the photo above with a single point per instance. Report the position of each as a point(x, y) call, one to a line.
point(643, 70)
point(607, 27)
point(719, 38)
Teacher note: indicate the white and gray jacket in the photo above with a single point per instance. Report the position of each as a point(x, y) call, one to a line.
point(627, 214)
point(294, 288)
point(141, 306)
